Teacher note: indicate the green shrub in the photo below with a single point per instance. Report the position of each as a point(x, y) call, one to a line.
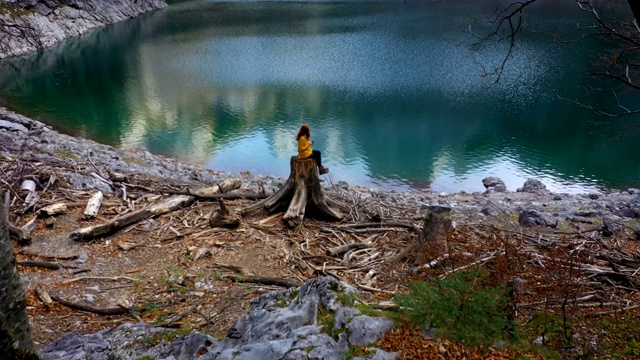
point(459, 307)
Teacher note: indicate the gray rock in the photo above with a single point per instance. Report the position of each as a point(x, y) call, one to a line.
point(492, 208)
point(493, 183)
point(530, 218)
point(279, 325)
point(80, 181)
point(364, 330)
point(609, 227)
point(627, 212)
point(342, 185)
point(43, 9)
point(534, 186)
point(8, 125)
point(379, 355)
point(68, 12)
point(56, 21)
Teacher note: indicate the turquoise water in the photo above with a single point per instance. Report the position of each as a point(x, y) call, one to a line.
point(395, 96)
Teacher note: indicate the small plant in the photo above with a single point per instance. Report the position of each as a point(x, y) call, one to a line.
point(358, 351)
point(166, 336)
point(347, 298)
point(459, 307)
point(294, 294)
point(146, 357)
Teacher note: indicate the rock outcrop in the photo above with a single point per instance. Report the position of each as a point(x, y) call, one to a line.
point(31, 25)
point(319, 320)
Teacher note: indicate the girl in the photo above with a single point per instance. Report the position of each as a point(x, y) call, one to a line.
point(304, 148)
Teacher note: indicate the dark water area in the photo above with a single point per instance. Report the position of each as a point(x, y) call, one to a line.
point(395, 95)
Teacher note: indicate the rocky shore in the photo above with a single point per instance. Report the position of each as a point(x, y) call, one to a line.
point(24, 137)
point(32, 25)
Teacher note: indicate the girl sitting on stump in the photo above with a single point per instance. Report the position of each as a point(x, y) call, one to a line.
point(304, 148)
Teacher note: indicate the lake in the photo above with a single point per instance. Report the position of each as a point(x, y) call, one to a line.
point(396, 96)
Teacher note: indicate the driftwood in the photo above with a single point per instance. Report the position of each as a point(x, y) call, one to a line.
point(168, 205)
point(220, 191)
point(357, 245)
point(344, 248)
point(92, 232)
point(40, 264)
point(264, 280)
point(18, 233)
point(114, 278)
point(109, 311)
point(22, 235)
point(48, 256)
point(221, 218)
point(302, 191)
point(53, 210)
point(93, 205)
point(43, 295)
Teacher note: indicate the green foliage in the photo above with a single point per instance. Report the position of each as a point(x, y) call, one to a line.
point(620, 336)
point(326, 320)
point(166, 336)
point(294, 294)
point(358, 351)
point(459, 307)
point(547, 325)
point(146, 357)
point(347, 298)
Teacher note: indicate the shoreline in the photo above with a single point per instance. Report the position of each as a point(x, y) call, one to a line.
point(19, 133)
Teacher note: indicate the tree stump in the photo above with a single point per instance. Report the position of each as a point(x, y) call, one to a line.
point(435, 230)
point(300, 193)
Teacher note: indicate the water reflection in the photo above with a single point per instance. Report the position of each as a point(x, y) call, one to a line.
point(392, 101)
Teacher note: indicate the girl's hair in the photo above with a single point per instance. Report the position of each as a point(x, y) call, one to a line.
point(304, 131)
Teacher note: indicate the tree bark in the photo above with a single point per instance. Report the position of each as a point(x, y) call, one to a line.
point(635, 9)
point(15, 333)
point(300, 193)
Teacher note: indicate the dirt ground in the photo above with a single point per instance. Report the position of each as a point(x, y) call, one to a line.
point(159, 275)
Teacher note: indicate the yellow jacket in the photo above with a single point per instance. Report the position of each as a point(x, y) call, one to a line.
point(304, 148)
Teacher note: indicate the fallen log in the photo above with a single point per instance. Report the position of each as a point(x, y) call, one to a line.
point(92, 232)
point(170, 204)
point(49, 256)
point(264, 280)
point(108, 311)
point(407, 225)
point(114, 278)
point(40, 264)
